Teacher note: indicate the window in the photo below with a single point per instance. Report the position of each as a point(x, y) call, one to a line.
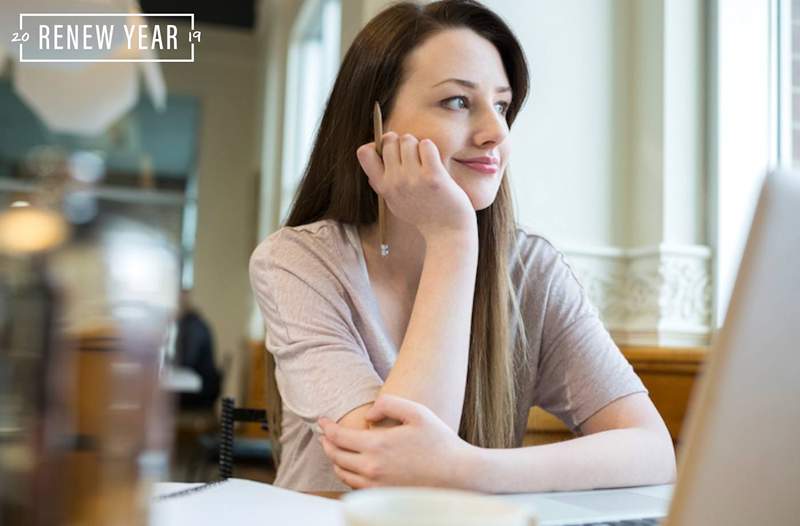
point(744, 122)
point(312, 65)
point(755, 88)
point(787, 21)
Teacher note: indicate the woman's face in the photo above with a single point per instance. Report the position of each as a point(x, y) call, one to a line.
point(465, 117)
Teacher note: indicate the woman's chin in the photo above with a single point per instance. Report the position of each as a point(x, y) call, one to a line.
point(481, 191)
point(480, 200)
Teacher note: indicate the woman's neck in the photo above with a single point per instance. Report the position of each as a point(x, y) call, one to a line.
point(403, 266)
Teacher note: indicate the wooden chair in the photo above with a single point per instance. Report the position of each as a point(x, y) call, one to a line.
point(262, 391)
point(249, 448)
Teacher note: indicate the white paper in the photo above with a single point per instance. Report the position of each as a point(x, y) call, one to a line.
point(243, 502)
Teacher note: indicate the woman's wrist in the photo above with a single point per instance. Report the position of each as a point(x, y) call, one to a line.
point(488, 470)
point(453, 241)
point(465, 232)
point(469, 468)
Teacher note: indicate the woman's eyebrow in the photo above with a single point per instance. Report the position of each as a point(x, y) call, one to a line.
point(471, 85)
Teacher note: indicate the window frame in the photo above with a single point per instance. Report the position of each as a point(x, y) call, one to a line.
point(312, 63)
point(743, 128)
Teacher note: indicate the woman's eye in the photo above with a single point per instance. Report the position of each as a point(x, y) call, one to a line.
point(449, 102)
point(460, 102)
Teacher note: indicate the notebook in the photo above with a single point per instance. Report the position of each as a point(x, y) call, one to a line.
point(236, 501)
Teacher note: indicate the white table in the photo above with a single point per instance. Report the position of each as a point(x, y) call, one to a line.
point(579, 507)
point(241, 502)
point(180, 379)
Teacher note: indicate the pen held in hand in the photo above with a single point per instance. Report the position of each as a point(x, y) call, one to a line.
point(377, 121)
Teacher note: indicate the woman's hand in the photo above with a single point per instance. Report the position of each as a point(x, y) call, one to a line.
point(421, 451)
point(417, 187)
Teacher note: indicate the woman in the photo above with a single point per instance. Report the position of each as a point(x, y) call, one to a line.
point(470, 320)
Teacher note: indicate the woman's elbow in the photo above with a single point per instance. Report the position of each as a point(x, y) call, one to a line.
point(672, 469)
point(665, 466)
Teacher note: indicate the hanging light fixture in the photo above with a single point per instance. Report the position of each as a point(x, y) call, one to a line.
point(82, 97)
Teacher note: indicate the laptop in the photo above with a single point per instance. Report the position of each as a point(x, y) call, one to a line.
point(740, 463)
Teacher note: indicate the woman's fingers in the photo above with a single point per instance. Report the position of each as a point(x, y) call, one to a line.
point(341, 457)
point(409, 150)
point(394, 407)
point(391, 151)
point(371, 163)
point(352, 439)
point(376, 166)
point(429, 154)
point(353, 480)
point(397, 151)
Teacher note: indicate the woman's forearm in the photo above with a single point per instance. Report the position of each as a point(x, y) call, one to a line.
point(614, 458)
point(431, 366)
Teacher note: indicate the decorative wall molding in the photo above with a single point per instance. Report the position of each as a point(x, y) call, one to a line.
point(649, 295)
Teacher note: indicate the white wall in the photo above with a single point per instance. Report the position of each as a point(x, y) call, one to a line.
point(568, 161)
point(608, 151)
point(608, 157)
point(275, 24)
point(646, 76)
point(684, 109)
point(223, 76)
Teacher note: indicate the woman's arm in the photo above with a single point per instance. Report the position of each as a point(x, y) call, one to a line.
point(431, 366)
point(628, 446)
point(624, 444)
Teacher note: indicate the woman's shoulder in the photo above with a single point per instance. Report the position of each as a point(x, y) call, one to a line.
point(533, 248)
point(537, 262)
point(296, 247)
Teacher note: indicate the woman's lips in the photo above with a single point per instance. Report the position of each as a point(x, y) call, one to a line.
point(483, 168)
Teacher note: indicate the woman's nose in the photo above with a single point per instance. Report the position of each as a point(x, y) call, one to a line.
point(491, 128)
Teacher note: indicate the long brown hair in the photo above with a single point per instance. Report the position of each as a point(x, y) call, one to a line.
point(335, 187)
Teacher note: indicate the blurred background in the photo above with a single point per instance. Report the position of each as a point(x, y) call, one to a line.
point(648, 129)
